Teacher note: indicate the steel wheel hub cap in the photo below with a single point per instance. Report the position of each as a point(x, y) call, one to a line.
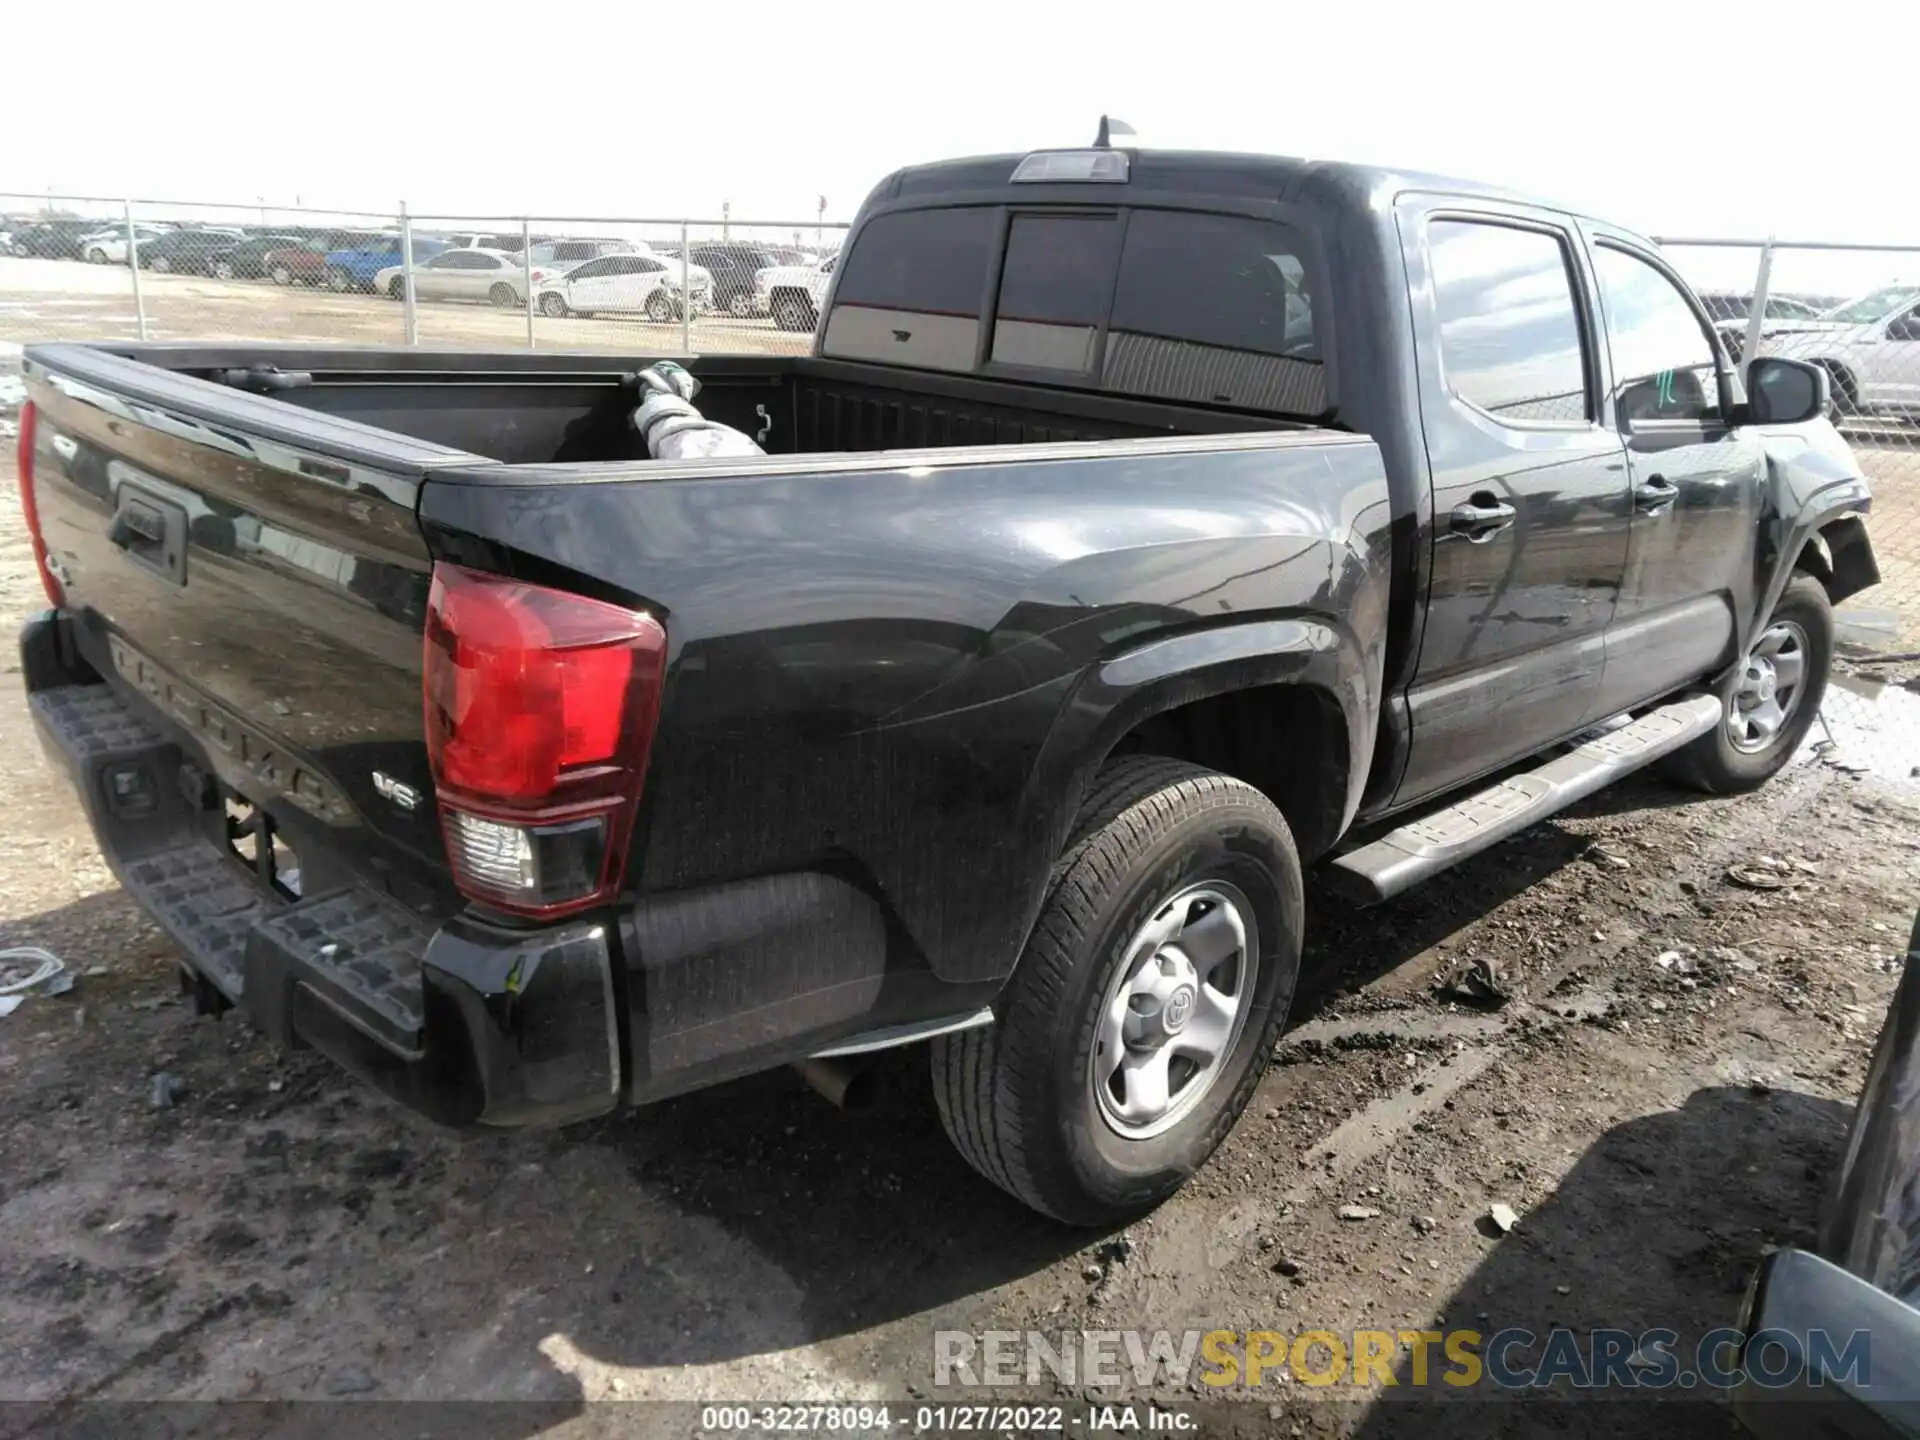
point(1174, 1010)
point(1768, 692)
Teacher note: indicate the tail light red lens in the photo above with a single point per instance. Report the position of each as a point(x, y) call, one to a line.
point(30, 506)
point(540, 710)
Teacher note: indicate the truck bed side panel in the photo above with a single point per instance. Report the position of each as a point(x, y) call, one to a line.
point(868, 659)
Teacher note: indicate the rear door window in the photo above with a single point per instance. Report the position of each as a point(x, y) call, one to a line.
point(912, 287)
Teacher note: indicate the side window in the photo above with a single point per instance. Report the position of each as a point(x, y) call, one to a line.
point(910, 293)
point(1663, 362)
point(591, 269)
point(1510, 342)
point(1216, 309)
point(1053, 289)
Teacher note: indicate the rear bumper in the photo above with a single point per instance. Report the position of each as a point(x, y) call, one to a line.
point(466, 1022)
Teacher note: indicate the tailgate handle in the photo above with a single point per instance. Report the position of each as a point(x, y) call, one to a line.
point(153, 532)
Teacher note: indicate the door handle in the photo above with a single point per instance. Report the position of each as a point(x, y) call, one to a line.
point(1654, 494)
point(1481, 518)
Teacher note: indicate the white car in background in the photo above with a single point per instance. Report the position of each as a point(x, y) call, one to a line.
point(490, 275)
point(109, 246)
point(793, 294)
point(627, 284)
point(1870, 347)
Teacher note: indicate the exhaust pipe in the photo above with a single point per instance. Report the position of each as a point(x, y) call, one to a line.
point(850, 1087)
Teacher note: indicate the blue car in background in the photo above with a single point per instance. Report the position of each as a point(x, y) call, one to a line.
point(354, 269)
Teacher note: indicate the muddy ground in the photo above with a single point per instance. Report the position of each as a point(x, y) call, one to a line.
point(281, 1235)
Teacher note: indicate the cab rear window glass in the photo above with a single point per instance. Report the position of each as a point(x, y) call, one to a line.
point(1213, 309)
point(1216, 309)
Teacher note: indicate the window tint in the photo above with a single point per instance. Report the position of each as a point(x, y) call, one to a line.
point(575, 250)
point(932, 262)
point(591, 269)
point(1663, 363)
point(910, 294)
point(1054, 285)
point(1509, 329)
point(1215, 309)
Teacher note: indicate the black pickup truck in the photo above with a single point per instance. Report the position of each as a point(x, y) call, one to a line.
point(1144, 526)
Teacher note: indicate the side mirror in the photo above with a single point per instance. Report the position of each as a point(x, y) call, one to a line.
point(1786, 392)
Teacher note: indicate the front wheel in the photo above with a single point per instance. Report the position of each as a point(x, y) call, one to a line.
point(339, 279)
point(1772, 698)
point(222, 270)
point(660, 308)
point(397, 288)
point(1145, 1007)
point(96, 256)
point(280, 275)
point(740, 305)
point(553, 305)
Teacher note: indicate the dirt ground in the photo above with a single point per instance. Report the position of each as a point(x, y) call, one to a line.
point(281, 1235)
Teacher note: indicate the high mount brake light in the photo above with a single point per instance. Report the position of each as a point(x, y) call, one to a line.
point(30, 506)
point(540, 711)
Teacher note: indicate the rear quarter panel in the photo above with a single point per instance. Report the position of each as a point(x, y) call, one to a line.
point(901, 668)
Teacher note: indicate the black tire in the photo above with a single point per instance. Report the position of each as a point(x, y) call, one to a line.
point(281, 275)
point(661, 309)
point(397, 288)
point(96, 256)
point(160, 264)
point(553, 305)
point(793, 312)
point(339, 279)
point(740, 305)
point(221, 270)
point(504, 295)
point(1016, 1097)
point(1714, 764)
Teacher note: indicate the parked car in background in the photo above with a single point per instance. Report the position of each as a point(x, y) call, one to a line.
point(1731, 313)
point(355, 267)
point(465, 274)
point(734, 265)
point(560, 255)
point(1869, 346)
point(793, 294)
point(246, 259)
point(650, 285)
point(304, 260)
point(510, 241)
point(50, 239)
point(187, 249)
point(109, 246)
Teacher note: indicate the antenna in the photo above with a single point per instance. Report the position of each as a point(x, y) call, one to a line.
point(1108, 129)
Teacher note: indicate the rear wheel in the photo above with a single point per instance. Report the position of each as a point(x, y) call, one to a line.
point(1146, 1004)
point(554, 304)
point(96, 256)
point(504, 295)
point(281, 275)
point(1772, 698)
point(222, 270)
point(740, 306)
point(339, 279)
point(160, 264)
point(793, 312)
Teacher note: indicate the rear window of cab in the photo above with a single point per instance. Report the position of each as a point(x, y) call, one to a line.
point(1172, 305)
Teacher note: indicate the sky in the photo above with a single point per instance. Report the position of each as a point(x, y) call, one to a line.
point(1675, 119)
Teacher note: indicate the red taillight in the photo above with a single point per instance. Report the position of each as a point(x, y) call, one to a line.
point(540, 708)
point(30, 507)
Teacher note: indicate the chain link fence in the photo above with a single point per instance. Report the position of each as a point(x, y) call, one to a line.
point(92, 268)
point(1853, 310)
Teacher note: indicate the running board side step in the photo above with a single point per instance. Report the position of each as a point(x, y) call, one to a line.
point(1416, 851)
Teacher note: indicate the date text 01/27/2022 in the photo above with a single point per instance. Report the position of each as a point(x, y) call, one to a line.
point(956, 1419)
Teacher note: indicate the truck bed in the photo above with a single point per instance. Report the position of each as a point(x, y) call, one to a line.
point(521, 408)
